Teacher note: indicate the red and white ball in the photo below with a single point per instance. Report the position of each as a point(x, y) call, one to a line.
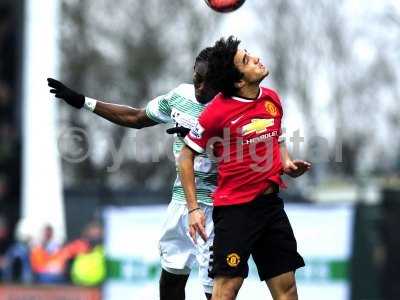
point(224, 6)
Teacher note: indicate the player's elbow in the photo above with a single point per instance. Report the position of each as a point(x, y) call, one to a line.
point(135, 125)
point(138, 119)
point(134, 122)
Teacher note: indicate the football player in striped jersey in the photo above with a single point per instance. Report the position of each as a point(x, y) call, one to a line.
point(181, 106)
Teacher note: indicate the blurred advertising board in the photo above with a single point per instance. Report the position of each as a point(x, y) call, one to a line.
point(323, 232)
point(58, 292)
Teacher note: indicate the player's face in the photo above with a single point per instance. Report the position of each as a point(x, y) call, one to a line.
point(204, 93)
point(251, 67)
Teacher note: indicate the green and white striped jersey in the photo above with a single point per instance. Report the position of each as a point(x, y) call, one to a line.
point(180, 106)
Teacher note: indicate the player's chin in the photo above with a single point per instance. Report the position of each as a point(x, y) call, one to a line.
point(262, 76)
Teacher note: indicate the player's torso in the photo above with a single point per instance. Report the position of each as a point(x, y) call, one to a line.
point(248, 156)
point(185, 110)
point(250, 126)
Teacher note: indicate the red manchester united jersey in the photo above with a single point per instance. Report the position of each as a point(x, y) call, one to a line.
point(243, 135)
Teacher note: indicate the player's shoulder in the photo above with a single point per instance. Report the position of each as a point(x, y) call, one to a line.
point(272, 93)
point(217, 102)
point(216, 105)
point(216, 109)
point(184, 90)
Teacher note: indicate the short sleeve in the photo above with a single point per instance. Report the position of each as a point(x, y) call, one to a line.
point(159, 109)
point(205, 129)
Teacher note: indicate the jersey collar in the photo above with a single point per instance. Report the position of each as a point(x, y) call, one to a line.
point(248, 100)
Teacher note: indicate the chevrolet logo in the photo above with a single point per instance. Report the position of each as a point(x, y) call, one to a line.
point(257, 126)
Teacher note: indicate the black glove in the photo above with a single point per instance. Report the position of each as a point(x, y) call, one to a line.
point(63, 92)
point(179, 130)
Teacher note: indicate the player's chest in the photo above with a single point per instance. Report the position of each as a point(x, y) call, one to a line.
point(261, 118)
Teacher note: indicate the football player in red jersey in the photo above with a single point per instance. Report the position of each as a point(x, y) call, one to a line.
point(243, 127)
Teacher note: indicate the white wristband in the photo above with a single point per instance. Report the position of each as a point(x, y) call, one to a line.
point(90, 104)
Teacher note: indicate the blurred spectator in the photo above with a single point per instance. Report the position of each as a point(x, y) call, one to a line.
point(17, 266)
point(47, 263)
point(93, 234)
point(48, 242)
point(84, 257)
point(89, 268)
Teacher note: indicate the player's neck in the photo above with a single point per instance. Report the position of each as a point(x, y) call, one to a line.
point(249, 92)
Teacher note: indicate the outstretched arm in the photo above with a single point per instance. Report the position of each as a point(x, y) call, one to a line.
point(119, 114)
point(186, 173)
point(293, 168)
point(123, 115)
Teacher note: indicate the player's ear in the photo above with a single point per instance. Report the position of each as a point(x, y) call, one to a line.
point(239, 84)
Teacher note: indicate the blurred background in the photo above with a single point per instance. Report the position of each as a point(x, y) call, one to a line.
point(82, 200)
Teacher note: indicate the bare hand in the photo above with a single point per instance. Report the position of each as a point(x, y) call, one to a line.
point(296, 168)
point(197, 224)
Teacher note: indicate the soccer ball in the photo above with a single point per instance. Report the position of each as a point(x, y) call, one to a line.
point(224, 6)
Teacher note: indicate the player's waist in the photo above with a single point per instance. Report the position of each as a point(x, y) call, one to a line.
point(243, 193)
point(273, 188)
point(235, 175)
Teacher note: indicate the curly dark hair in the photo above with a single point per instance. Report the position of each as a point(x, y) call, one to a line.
point(222, 73)
point(204, 55)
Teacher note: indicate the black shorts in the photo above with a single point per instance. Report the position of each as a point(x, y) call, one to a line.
point(260, 228)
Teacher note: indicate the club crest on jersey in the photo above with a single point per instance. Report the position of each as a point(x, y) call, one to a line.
point(257, 126)
point(271, 108)
point(197, 131)
point(233, 260)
